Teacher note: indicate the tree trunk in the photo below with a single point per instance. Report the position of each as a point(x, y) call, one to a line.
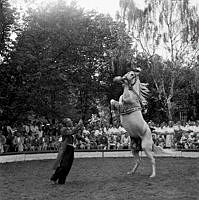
point(169, 107)
point(194, 106)
point(81, 104)
point(52, 94)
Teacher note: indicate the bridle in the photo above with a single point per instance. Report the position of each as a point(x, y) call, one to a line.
point(131, 87)
point(131, 84)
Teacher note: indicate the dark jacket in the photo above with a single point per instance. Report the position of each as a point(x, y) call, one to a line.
point(67, 139)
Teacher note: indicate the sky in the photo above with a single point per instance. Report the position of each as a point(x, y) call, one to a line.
point(106, 6)
point(102, 6)
point(111, 6)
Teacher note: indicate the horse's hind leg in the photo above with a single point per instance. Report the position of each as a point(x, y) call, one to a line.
point(147, 148)
point(149, 154)
point(137, 162)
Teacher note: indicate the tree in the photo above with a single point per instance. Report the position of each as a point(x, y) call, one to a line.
point(8, 26)
point(169, 26)
point(60, 58)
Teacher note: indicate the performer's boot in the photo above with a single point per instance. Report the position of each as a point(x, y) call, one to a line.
point(53, 180)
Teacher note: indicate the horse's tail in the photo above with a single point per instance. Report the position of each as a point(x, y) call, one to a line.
point(159, 150)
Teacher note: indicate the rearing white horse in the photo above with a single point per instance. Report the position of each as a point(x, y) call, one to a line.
point(130, 108)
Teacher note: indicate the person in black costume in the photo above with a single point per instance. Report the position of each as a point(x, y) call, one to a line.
point(65, 156)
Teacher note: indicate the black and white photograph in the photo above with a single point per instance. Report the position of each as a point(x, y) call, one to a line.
point(99, 100)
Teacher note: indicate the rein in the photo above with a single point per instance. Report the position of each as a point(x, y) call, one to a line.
point(132, 84)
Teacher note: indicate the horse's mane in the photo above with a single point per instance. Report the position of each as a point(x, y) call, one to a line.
point(142, 90)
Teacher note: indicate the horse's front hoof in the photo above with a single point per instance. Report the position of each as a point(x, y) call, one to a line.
point(131, 173)
point(112, 101)
point(152, 176)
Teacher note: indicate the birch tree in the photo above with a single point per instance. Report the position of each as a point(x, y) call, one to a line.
point(168, 28)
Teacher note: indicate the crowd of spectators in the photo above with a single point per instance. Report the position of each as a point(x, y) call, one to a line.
point(39, 136)
point(180, 135)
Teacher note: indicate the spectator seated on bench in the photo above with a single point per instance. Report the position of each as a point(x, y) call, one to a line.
point(125, 141)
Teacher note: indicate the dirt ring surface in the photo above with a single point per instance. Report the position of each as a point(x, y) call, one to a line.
point(102, 179)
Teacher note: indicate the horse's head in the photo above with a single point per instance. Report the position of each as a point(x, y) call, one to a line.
point(129, 79)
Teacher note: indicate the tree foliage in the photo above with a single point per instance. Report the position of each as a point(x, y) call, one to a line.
point(60, 58)
point(8, 25)
point(63, 60)
point(167, 29)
